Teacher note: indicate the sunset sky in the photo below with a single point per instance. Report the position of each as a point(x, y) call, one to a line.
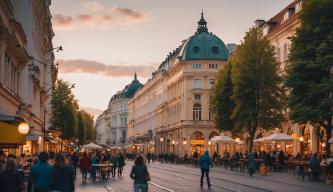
point(106, 41)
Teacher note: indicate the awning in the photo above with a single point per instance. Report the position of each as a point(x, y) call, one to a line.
point(10, 135)
point(51, 140)
point(32, 137)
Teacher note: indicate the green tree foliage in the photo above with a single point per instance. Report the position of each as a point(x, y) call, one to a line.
point(81, 133)
point(258, 93)
point(310, 68)
point(64, 107)
point(221, 100)
point(86, 130)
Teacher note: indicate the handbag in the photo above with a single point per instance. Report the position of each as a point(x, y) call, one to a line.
point(147, 175)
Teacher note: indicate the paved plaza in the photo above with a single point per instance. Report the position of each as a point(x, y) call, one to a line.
point(180, 178)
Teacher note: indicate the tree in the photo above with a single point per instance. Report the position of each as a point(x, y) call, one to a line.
point(258, 93)
point(86, 130)
point(81, 133)
point(64, 107)
point(310, 67)
point(89, 126)
point(221, 102)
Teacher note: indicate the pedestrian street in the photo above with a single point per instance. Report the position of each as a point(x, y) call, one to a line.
point(182, 178)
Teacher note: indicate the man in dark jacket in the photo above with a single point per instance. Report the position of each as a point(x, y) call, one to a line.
point(205, 163)
point(41, 174)
point(315, 167)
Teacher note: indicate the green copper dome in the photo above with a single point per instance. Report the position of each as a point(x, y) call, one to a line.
point(129, 90)
point(204, 45)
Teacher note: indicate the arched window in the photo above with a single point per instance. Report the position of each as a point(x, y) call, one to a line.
point(197, 111)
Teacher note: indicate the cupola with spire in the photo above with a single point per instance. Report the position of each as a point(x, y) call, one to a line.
point(202, 24)
point(203, 45)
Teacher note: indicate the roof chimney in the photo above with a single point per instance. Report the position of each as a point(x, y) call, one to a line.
point(259, 23)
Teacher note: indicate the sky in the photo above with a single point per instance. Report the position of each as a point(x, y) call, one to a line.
point(106, 41)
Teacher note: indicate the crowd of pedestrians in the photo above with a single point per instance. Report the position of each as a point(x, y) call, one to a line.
point(53, 171)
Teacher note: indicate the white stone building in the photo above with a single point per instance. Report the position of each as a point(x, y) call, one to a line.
point(111, 125)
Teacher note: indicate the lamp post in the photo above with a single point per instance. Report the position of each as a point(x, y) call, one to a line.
point(161, 141)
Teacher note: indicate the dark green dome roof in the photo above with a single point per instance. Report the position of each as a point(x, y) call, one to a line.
point(129, 89)
point(204, 45)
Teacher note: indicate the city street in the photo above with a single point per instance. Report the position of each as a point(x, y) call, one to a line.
point(180, 178)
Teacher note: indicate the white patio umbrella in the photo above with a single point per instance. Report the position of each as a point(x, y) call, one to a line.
point(92, 146)
point(330, 141)
point(260, 140)
point(279, 137)
point(222, 139)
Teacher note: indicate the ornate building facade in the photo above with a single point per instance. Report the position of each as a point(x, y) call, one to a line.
point(27, 72)
point(279, 30)
point(111, 125)
point(171, 112)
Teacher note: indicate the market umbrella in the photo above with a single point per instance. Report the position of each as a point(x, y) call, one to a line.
point(280, 137)
point(260, 140)
point(222, 139)
point(92, 146)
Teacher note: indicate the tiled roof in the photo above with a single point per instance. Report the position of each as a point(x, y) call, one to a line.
point(277, 22)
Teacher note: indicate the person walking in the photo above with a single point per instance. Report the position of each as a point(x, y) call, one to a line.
point(11, 180)
point(41, 174)
point(84, 166)
point(75, 162)
point(205, 163)
point(251, 164)
point(62, 175)
point(114, 162)
point(121, 163)
point(140, 175)
point(315, 167)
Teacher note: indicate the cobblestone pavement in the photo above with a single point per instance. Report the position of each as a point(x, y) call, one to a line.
point(180, 178)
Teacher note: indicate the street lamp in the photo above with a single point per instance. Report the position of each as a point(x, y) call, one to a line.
point(161, 141)
point(237, 140)
point(23, 128)
point(301, 139)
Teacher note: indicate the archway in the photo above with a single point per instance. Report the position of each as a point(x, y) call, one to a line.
point(321, 134)
point(197, 141)
point(305, 140)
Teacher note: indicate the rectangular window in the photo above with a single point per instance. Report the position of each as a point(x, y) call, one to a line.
point(196, 66)
point(197, 96)
point(211, 82)
point(197, 84)
point(212, 66)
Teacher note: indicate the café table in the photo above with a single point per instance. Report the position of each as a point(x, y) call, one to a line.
point(104, 170)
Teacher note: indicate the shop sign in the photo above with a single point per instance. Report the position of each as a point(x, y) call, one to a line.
point(8, 146)
point(197, 142)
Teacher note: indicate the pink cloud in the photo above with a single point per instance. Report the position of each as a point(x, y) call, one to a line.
point(94, 67)
point(102, 18)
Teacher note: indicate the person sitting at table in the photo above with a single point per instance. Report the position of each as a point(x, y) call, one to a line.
point(315, 167)
point(298, 156)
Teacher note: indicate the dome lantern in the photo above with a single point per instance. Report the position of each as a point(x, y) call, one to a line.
point(202, 24)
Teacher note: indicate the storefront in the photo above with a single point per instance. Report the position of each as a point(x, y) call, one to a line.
point(197, 143)
point(11, 141)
